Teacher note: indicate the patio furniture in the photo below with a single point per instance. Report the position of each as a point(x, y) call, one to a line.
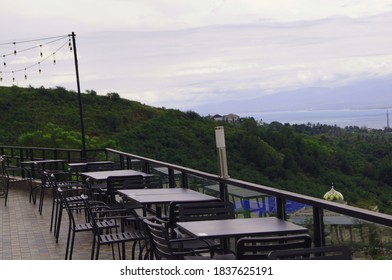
point(15, 174)
point(315, 253)
point(204, 211)
point(164, 247)
point(112, 238)
point(237, 228)
point(257, 248)
point(74, 227)
point(163, 196)
point(73, 198)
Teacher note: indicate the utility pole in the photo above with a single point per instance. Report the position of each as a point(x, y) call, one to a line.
point(79, 97)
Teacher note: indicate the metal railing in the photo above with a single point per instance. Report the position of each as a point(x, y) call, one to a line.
point(184, 177)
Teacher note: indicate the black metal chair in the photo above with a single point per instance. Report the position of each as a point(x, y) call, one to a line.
point(74, 227)
point(315, 253)
point(112, 238)
point(73, 197)
point(115, 183)
point(211, 210)
point(13, 175)
point(164, 247)
point(207, 210)
point(257, 248)
point(99, 166)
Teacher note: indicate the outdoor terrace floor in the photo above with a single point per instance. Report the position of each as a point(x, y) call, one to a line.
point(25, 233)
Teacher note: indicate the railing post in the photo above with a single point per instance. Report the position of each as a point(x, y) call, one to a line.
point(184, 180)
point(281, 208)
point(318, 227)
point(172, 181)
point(223, 191)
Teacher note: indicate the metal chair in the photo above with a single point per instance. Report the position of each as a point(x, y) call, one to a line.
point(74, 227)
point(164, 247)
point(256, 248)
point(15, 174)
point(73, 190)
point(214, 210)
point(112, 238)
point(99, 166)
point(315, 253)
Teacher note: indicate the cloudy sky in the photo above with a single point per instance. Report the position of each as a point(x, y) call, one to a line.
point(185, 53)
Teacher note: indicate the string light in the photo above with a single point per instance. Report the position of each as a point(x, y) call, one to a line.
point(17, 50)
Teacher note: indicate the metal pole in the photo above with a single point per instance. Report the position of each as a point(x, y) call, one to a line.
point(79, 96)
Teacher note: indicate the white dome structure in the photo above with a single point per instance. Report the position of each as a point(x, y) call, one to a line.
point(333, 195)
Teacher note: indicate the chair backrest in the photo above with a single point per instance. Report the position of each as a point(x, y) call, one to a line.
point(153, 182)
point(211, 210)
point(115, 183)
point(61, 196)
point(99, 166)
point(255, 248)
point(159, 238)
point(315, 253)
point(174, 214)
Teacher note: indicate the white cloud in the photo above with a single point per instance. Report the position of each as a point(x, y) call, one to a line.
point(180, 52)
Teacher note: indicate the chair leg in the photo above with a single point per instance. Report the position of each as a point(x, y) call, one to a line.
point(41, 199)
point(6, 193)
point(68, 243)
point(32, 190)
point(72, 245)
point(58, 224)
point(54, 206)
point(93, 248)
point(97, 253)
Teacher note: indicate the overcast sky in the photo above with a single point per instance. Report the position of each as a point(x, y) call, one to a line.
point(181, 53)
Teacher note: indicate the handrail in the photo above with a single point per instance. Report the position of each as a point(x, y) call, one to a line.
point(356, 212)
point(281, 196)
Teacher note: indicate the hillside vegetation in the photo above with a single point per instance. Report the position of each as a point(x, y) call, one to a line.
point(304, 158)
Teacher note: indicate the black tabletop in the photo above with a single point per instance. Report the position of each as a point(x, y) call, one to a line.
point(43, 161)
point(240, 227)
point(165, 195)
point(103, 175)
point(83, 164)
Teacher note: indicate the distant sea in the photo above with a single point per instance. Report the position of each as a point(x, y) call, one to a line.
point(370, 118)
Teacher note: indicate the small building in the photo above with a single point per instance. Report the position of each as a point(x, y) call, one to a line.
point(217, 117)
point(231, 118)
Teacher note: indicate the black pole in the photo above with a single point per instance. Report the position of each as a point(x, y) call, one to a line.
point(79, 96)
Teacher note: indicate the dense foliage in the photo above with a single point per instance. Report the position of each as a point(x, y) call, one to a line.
point(304, 158)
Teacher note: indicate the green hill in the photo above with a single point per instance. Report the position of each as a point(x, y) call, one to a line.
point(302, 158)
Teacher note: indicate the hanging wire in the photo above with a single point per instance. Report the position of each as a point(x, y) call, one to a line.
point(39, 62)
